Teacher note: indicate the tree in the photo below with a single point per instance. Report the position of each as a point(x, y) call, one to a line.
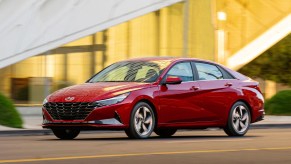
point(274, 64)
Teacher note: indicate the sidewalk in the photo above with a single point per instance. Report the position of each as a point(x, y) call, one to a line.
point(32, 118)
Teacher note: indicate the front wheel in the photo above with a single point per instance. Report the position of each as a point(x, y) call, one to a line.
point(238, 120)
point(66, 134)
point(142, 121)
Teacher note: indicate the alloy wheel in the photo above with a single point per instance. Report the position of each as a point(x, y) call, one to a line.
point(143, 121)
point(240, 119)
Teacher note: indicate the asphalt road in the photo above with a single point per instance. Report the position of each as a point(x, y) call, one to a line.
point(213, 146)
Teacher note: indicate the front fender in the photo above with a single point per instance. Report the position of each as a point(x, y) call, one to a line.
point(147, 94)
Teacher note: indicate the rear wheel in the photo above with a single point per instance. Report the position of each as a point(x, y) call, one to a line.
point(142, 121)
point(165, 132)
point(66, 134)
point(238, 120)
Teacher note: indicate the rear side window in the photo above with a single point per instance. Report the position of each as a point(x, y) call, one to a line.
point(208, 72)
point(182, 70)
point(226, 75)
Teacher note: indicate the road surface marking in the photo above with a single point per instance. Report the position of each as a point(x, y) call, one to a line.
point(139, 154)
point(224, 140)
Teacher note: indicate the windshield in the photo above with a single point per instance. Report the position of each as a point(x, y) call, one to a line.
point(131, 71)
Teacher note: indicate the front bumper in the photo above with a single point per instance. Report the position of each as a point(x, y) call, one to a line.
point(84, 126)
point(107, 117)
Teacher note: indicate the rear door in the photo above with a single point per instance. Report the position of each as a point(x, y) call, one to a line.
point(217, 90)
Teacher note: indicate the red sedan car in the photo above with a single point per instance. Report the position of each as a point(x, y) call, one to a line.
point(158, 95)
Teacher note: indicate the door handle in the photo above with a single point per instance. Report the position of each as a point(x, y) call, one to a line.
point(194, 88)
point(228, 84)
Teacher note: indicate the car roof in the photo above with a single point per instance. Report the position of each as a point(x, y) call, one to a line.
point(172, 59)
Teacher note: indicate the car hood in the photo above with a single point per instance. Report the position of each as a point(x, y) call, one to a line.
point(89, 92)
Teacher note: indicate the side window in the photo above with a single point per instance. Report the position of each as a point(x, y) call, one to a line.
point(208, 72)
point(226, 75)
point(182, 70)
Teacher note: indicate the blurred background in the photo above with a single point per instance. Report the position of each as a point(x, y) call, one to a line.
point(46, 45)
point(250, 36)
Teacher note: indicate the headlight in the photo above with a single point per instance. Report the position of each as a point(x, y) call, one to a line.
point(44, 101)
point(113, 100)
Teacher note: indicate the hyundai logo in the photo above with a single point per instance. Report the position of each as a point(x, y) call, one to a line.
point(69, 98)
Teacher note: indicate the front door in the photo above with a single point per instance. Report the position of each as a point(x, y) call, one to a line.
point(177, 102)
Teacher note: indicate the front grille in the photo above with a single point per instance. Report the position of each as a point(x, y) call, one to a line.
point(70, 110)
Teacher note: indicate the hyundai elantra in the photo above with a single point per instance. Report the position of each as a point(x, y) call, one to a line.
point(160, 95)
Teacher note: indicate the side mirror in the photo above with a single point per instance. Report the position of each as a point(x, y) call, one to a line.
point(173, 80)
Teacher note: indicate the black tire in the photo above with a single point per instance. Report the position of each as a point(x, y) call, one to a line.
point(165, 133)
point(66, 134)
point(234, 129)
point(133, 131)
point(128, 133)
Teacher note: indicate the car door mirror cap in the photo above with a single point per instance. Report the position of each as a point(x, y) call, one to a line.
point(173, 80)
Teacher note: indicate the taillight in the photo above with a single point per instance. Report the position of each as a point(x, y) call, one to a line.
point(255, 87)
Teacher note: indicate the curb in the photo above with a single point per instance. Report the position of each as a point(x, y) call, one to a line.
point(25, 132)
point(269, 126)
point(39, 132)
